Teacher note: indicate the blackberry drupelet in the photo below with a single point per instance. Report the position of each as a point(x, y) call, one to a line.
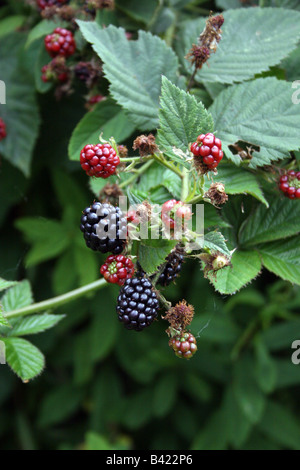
point(104, 228)
point(172, 269)
point(138, 304)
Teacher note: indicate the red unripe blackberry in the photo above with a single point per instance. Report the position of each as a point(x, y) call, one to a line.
point(104, 228)
point(117, 269)
point(2, 129)
point(137, 304)
point(289, 184)
point(42, 4)
point(184, 345)
point(172, 210)
point(60, 42)
point(99, 160)
point(55, 71)
point(208, 149)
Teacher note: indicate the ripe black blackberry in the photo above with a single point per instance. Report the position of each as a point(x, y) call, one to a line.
point(104, 228)
point(138, 304)
point(172, 268)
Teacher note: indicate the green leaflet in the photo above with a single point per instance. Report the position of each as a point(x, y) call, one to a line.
point(245, 113)
point(181, 120)
point(135, 78)
point(251, 43)
point(106, 118)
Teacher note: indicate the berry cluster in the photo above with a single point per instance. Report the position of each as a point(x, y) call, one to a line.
point(60, 42)
point(56, 71)
point(117, 269)
point(207, 152)
point(104, 228)
point(289, 184)
point(99, 160)
point(184, 345)
point(137, 304)
point(2, 129)
point(42, 4)
point(173, 212)
point(171, 269)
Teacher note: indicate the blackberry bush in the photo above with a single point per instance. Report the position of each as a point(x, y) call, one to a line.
point(185, 141)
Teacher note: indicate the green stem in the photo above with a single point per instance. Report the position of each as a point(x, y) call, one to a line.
point(244, 339)
point(138, 172)
point(163, 300)
point(137, 159)
point(167, 165)
point(195, 199)
point(185, 184)
point(57, 301)
point(199, 197)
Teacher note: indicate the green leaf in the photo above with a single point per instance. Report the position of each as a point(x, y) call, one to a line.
point(265, 368)
point(6, 284)
point(59, 404)
point(246, 113)
point(210, 437)
point(280, 220)
point(238, 181)
point(164, 395)
point(152, 178)
point(107, 118)
point(288, 374)
point(10, 24)
point(136, 414)
point(21, 111)
point(250, 44)
point(24, 358)
point(216, 242)
point(172, 182)
point(282, 258)
point(94, 441)
point(217, 329)
point(247, 393)
point(41, 60)
point(291, 65)
point(3, 320)
point(238, 427)
point(34, 324)
point(280, 336)
point(139, 11)
point(181, 118)
point(49, 238)
point(17, 296)
point(134, 77)
point(64, 275)
point(212, 217)
point(287, 433)
point(246, 265)
point(152, 253)
point(85, 264)
point(104, 328)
